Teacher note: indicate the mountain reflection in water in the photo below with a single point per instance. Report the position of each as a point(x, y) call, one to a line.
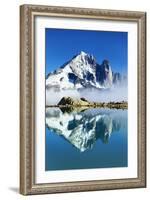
point(82, 127)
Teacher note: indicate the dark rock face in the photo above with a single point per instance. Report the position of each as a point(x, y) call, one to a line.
point(89, 76)
point(72, 77)
point(66, 101)
point(104, 73)
point(91, 60)
point(100, 75)
point(117, 78)
point(83, 99)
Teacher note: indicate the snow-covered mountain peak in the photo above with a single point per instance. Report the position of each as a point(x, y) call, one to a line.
point(82, 71)
point(84, 58)
point(83, 53)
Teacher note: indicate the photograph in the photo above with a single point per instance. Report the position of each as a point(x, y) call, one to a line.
point(82, 99)
point(86, 111)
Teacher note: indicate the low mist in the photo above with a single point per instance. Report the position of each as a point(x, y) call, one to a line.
point(114, 94)
point(53, 97)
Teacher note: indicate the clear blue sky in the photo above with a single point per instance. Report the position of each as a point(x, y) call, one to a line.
point(63, 44)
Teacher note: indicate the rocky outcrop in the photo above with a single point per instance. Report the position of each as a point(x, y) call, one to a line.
point(68, 101)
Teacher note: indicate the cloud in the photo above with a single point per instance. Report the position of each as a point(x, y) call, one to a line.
point(113, 94)
point(52, 97)
point(94, 95)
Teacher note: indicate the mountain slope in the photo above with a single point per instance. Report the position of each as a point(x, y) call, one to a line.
point(82, 71)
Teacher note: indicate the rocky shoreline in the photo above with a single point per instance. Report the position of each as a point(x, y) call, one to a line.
point(82, 102)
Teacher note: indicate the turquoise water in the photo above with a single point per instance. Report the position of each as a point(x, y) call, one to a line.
point(84, 139)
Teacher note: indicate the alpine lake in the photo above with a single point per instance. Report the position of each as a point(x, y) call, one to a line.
point(85, 138)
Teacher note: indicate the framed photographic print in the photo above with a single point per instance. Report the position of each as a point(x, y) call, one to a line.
point(82, 99)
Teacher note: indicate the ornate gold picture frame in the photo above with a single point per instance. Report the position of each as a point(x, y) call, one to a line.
point(28, 100)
